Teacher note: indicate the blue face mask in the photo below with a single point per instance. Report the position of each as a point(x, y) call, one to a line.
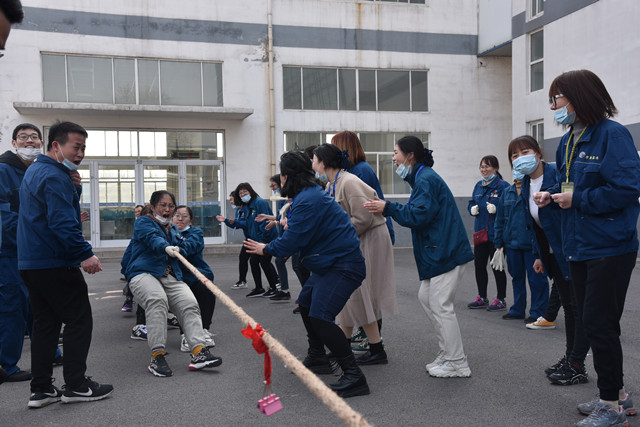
point(322, 177)
point(517, 175)
point(246, 199)
point(403, 171)
point(526, 164)
point(186, 228)
point(493, 175)
point(234, 206)
point(67, 163)
point(276, 192)
point(563, 117)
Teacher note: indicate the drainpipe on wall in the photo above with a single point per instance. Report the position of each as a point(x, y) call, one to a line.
point(272, 113)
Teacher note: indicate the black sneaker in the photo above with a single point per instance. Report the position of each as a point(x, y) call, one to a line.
point(58, 361)
point(281, 296)
point(87, 392)
point(172, 321)
point(139, 332)
point(296, 310)
point(40, 399)
point(569, 374)
point(159, 367)
point(257, 292)
point(19, 376)
point(204, 359)
point(270, 293)
point(555, 367)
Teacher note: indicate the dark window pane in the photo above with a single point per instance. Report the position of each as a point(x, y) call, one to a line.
point(377, 141)
point(367, 89)
point(125, 81)
point(148, 86)
point(393, 90)
point(89, 79)
point(537, 45)
point(320, 89)
point(180, 83)
point(212, 84)
point(54, 79)
point(419, 91)
point(300, 140)
point(537, 76)
point(292, 98)
point(347, 85)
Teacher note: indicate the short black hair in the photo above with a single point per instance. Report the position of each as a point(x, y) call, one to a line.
point(12, 9)
point(412, 144)
point(25, 126)
point(157, 195)
point(60, 131)
point(332, 156)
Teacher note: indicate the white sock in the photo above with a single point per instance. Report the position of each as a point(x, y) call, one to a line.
point(622, 395)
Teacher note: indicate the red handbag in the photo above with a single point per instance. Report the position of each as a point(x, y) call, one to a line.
point(480, 237)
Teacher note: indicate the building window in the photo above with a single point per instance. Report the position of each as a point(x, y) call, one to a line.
point(536, 8)
point(536, 63)
point(354, 90)
point(378, 147)
point(536, 130)
point(70, 78)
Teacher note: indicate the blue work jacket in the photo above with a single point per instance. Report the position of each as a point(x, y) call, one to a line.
point(256, 230)
point(481, 196)
point(49, 226)
point(191, 244)
point(511, 227)
point(440, 241)
point(11, 174)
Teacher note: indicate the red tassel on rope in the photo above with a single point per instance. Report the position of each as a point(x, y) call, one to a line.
point(255, 335)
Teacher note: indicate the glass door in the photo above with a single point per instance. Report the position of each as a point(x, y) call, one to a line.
point(204, 196)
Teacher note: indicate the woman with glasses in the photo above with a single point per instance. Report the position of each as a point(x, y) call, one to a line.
point(598, 190)
point(191, 244)
point(156, 282)
point(482, 206)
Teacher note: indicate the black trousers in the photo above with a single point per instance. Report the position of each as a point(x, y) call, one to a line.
point(59, 296)
point(206, 301)
point(256, 261)
point(482, 255)
point(301, 271)
point(243, 264)
point(601, 288)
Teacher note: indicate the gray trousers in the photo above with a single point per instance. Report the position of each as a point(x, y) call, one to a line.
point(157, 296)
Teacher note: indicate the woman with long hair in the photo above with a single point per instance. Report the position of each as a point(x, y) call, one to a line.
point(378, 290)
point(239, 221)
point(440, 247)
point(321, 231)
point(598, 190)
point(482, 206)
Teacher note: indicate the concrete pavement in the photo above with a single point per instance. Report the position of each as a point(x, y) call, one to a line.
point(507, 386)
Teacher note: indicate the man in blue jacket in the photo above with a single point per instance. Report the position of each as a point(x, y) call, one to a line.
point(51, 250)
point(14, 298)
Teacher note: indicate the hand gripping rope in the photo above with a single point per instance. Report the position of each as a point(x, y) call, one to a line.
point(349, 416)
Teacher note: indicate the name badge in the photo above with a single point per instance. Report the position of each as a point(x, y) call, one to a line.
point(567, 187)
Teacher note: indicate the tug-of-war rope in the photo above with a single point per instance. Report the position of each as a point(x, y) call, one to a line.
point(347, 414)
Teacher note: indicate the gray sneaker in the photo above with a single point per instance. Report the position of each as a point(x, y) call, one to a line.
point(627, 405)
point(604, 416)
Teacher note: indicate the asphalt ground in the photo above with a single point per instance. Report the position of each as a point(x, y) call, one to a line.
point(507, 387)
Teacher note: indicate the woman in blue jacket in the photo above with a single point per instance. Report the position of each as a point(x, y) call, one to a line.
point(321, 231)
point(240, 221)
point(482, 206)
point(513, 235)
point(191, 243)
point(257, 231)
point(599, 174)
point(440, 246)
point(549, 259)
point(155, 279)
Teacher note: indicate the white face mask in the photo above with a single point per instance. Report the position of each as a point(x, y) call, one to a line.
point(162, 220)
point(28, 154)
point(186, 228)
point(66, 162)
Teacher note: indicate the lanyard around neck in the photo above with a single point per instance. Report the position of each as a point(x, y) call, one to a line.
point(569, 158)
point(334, 186)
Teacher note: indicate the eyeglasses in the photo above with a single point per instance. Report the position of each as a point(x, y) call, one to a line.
point(552, 99)
point(181, 216)
point(25, 137)
point(165, 205)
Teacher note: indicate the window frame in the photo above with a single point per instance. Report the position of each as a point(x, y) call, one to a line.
point(534, 128)
point(535, 9)
point(532, 63)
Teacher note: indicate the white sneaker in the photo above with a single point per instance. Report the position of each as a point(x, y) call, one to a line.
point(439, 360)
point(184, 345)
point(209, 342)
point(451, 369)
point(239, 285)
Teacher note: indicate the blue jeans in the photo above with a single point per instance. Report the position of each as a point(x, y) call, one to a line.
point(520, 265)
point(14, 314)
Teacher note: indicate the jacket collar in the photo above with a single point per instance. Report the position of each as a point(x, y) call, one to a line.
point(12, 159)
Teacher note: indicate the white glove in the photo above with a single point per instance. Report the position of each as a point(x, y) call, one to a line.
point(475, 210)
point(172, 251)
point(491, 208)
point(499, 260)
